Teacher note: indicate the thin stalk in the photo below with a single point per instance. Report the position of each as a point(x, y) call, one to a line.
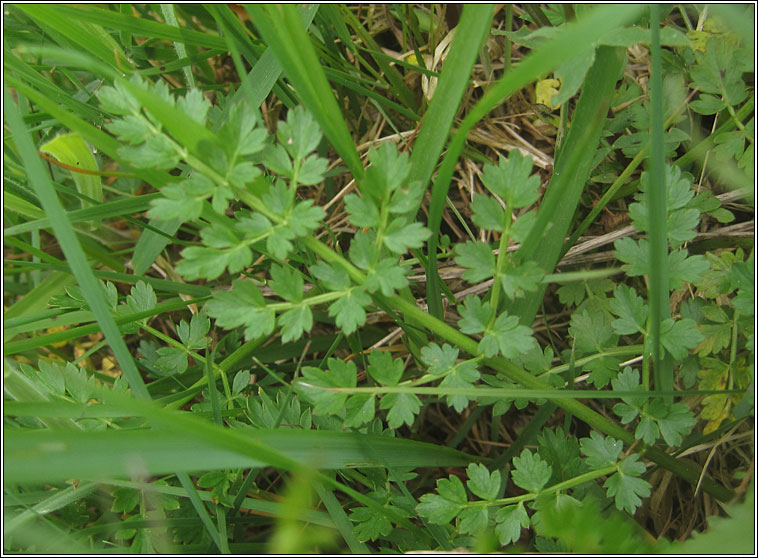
point(502, 260)
point(181, 50)
point(565, 485)
point(546, 393)
point(658, 294)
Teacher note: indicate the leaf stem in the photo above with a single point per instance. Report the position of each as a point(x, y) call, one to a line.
point(502, 259)
point(565, 485)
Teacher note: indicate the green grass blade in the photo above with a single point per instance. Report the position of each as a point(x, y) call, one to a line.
point(114, 208)
point(151, 244)
point(188, 443)
point(340, 519)
point(15, 347)
point(52, 455)
point(58, 500)
point(36, 299)
point(259, 82)
point(138, 26)
point(91, 287)
point(160, 285)
point(282, 29)
point(12, 202)
point(658, 293)
point(23, 71)
point(400, 89)
point(576, 38)
point(546, 239)
point(454, 79)
point(438, 121)
point(88, 35)
point(181, 51)
point(202, 511)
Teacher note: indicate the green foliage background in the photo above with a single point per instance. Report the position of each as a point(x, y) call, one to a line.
point(295, 303)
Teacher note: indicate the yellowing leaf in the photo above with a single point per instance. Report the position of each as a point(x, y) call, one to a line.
point(544, 91)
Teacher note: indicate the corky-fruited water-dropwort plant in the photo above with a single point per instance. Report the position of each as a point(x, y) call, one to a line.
point(308, 365)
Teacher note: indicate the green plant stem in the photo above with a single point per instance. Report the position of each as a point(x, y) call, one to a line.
point(552, 394)
point(502, 261)
point(658, 295)
point(181, 50)
point(565, 485)
point(201, 510)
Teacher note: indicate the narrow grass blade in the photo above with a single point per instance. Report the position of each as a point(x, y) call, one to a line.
point(339, 517)
point(56, 455)
point(115, 208)
point(658, 293)
point(15, 347)
point(22, 70)
point(160, 285)
point(202, 511)
point(282, 29)
point(400, 89)
point(36, 299)
point(11, 202)
point(137, 26)
point(267, 69)
point(546, 239)
point(181, 50)
point(88, 35)
point(151, 244)
point(58, 500)
point(91, 287)
point(470, 32)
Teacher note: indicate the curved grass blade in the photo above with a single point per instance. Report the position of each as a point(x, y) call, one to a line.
point(22, 70)
point(283, 31)
point(261, 80)
point(181, 51)
point(90, 36)
point(184, 442)
point(56, 501)
point(115, 208)
point(470, 32)
point(91, 287)
point(36, 299)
